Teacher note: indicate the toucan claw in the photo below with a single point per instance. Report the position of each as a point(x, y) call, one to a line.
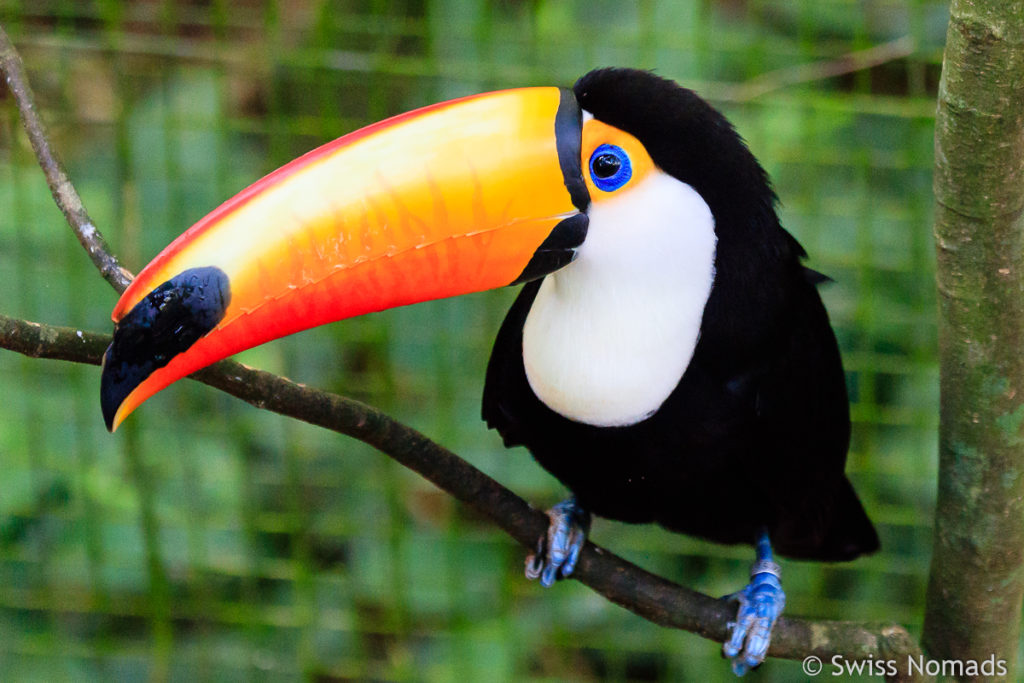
point(559, 549)
point(760, 604)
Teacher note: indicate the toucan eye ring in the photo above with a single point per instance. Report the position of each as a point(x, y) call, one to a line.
point(610, 167)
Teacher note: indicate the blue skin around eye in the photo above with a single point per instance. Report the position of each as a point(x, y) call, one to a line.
point(621, 177)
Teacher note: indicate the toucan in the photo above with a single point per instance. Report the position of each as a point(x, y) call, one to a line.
point(668, 358)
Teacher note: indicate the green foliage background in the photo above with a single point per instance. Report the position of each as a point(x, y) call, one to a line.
point(207, 540)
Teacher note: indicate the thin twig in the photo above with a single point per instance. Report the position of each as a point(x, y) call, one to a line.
point(63, 191)
point(778, 79)
point(621, 582)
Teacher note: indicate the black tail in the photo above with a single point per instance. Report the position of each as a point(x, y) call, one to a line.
point(835, 528)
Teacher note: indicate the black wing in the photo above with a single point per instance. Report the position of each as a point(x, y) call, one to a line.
point(803, 410)
point(504, 386)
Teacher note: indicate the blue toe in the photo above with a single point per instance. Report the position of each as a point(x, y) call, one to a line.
point(559, 550)
point(760, 604)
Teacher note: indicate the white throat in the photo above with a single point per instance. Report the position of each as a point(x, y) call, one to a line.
point(610, 335)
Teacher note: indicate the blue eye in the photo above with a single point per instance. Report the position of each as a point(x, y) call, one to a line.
point(610, 167)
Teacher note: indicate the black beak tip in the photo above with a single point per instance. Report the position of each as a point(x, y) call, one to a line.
point(108, 402)
point(116, 382)
point(165, 323)
point(110, 398)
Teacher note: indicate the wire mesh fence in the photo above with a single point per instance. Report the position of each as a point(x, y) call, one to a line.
point(208, 540)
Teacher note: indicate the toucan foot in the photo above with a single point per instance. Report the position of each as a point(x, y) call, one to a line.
point(559, 549)
point(760, 604)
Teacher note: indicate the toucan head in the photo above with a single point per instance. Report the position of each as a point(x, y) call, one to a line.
point(472, 194)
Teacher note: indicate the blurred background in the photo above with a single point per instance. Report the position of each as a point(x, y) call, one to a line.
point(211, 541)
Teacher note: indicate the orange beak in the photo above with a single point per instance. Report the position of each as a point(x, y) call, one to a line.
point(459, 197)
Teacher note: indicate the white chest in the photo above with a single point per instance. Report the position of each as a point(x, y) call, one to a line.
point(610, 335)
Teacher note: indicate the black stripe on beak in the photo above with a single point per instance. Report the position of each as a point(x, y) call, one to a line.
point(569, 139)
point(559, 249)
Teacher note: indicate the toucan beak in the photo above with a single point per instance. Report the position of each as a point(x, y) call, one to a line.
point(462, 196)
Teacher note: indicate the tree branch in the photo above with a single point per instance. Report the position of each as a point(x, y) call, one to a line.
point(770, 81)
point(621, 582)
point(64, 193)
point(976, 585)
point(625, 584)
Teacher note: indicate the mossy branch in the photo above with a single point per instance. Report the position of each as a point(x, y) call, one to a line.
point(621, 582)
point(976, 583)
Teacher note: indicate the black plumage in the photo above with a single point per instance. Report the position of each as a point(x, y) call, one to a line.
point(756, 433)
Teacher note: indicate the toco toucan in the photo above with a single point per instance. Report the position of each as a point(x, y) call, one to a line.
point(669, 358)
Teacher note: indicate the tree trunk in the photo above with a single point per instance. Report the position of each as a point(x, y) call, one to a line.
point(976, 583)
